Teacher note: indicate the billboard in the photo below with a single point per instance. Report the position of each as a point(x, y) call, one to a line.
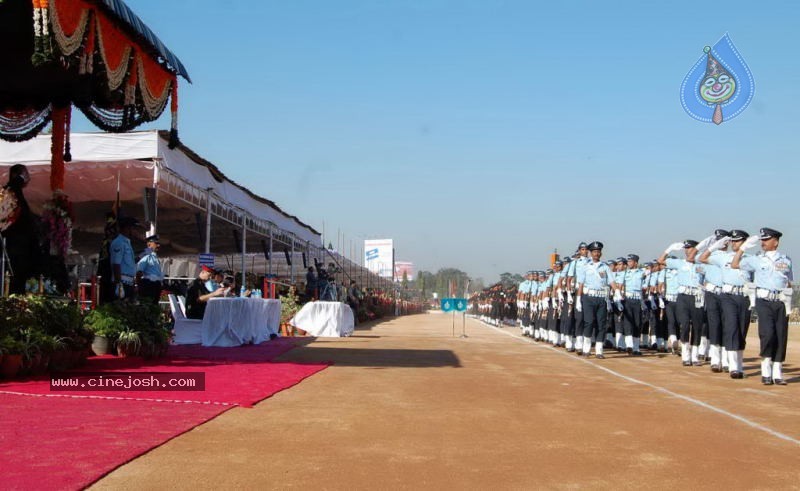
point(401, 267)
point(379, 256)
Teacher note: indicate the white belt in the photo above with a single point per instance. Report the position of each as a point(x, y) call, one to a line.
point(711, 288)
point(671, 297)
point(769, 295)
point(688, 290)
point(126, 279)
point(596, 293)
point(734, 290)
point(634, 296)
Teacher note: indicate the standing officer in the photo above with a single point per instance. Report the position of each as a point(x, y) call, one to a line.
point(567, 314)
point(148, 271)
point(595, 281)
point(669, 290)
point(123, 261)
point(633, 287)
point(690, 299)
point(735, 302)
point(773, 278)
point(523, 290)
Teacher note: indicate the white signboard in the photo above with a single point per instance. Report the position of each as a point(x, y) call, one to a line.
point(379, 257)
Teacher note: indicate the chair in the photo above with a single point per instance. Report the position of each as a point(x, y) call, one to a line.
point(187, 331)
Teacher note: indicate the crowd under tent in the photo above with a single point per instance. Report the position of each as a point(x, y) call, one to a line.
point(187, 200)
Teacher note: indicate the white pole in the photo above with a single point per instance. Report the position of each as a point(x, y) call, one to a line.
point(208, 220)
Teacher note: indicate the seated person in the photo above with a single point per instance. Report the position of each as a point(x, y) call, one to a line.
point(198, 294)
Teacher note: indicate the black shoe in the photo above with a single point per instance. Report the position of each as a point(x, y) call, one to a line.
point(687, 363)
point(698, 363)
point(629, 350)
point(602, 357)
point(779, 381)
point(766, 380)
point(715, 368)
point(580, 353)
point(726, 369)
point(737, 375)
point(571, 350)
point(637, 353)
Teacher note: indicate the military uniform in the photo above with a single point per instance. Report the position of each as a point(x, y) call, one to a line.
point(633, 285)
point(772, 274)
point(595, 280)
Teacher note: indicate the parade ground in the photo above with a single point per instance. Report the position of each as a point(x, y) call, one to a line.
point(407, 405)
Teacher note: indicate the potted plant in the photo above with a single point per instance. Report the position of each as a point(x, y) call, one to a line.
point(106, 323)
point(290, 305)
point(129, 342)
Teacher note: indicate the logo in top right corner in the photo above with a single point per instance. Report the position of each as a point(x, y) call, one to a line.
point(719, 86)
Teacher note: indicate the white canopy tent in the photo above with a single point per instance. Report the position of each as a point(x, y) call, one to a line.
point(198, 208)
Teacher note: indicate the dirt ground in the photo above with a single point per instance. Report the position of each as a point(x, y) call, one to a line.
point(408, 406)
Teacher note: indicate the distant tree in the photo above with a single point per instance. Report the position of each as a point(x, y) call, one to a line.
point(508, 280)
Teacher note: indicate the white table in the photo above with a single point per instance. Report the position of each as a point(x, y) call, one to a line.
point(236, 321)
point(325, 319)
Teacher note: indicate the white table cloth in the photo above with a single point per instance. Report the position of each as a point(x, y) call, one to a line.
point(237, 321)
point(325, 319)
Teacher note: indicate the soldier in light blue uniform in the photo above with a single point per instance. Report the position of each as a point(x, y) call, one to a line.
point(690, 299)
point(123, 260)
point(735, 302)
point(567, 312)
point(616, 319)
point(658, 318)
point(713, 305)
point(576, 266)
point(595, 281)
point(772, 272)
point(669, 289)
point(149, 274)
point(523, 302)
point(633, 287)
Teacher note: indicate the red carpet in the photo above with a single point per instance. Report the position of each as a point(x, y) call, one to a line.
point(61, 443)
point(58, 440)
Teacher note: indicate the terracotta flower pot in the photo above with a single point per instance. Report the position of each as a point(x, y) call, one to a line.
point(11, 365)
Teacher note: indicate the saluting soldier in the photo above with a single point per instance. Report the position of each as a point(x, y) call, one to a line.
point(735, 302)
point(713, 305)
point(772, 271)
point(690, 299)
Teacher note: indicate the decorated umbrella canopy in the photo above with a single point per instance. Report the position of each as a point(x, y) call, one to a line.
point(94, 54)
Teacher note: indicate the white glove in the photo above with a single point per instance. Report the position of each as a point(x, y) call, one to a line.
point(619, 305)
point(661, 303)
point(570, 300)
point(617, 296)
point(751, 242)
point(719, 244)
point(608, 304)
point(703, 245)
point(676, 246)
point(578, 305)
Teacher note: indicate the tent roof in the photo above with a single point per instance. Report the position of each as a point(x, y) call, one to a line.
point(129, 18)
point(99, 157)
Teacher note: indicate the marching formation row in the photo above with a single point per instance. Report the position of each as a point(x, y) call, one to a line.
point(698, 305)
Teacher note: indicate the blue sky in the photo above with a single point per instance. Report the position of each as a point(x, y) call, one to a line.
point(482, 135)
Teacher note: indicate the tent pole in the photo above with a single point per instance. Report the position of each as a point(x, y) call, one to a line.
point(244, 251)
point(291, 265)
point(270, 253)
point(208, 220)
point(156, 175)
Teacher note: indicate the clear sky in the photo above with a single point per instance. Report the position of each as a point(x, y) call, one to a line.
point(482, 135)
